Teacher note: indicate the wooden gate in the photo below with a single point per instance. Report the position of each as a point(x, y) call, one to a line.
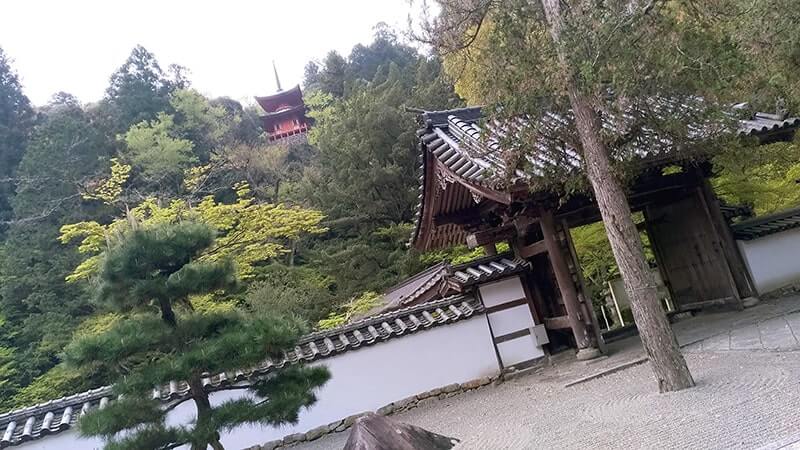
point(690, 254)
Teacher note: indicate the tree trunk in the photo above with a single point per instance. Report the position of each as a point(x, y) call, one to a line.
point(658, 340)
point(167, 314)
point(203, 405)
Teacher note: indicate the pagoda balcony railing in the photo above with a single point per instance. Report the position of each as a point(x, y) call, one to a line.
point(278, 135)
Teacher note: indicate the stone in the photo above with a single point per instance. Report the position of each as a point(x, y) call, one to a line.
point(385, 410)
point(271, 445)
point(483, 381)
point(431, 393)
point(350, 420)
point(334, 425)
point(377, 432)
point(472, 384)
point(451, 388)
point(425, 401)
point(400, 404)
point(589, 362)
point(749, 302)
point(340, 428)
point(292, 438)
point(316, 433)
point(585, 354)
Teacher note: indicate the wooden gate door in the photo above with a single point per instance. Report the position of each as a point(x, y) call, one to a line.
point(690, 255)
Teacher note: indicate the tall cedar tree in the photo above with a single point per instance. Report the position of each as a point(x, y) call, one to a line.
point(151, 274)
point(16, 121)
point(653, 70)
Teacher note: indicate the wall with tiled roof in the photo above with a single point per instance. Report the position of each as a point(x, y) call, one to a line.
point(447, 349)
point(770, 246)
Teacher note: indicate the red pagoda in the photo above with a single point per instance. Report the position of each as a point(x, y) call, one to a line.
point(285, 116)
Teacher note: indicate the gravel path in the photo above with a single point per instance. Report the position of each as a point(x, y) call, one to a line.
point(742, 400)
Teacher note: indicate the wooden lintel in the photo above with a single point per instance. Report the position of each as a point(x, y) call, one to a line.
point(484, 237)
point(557, 323)
point(532, 250)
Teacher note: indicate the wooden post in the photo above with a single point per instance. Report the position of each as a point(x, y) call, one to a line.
point(566, 286)
point(490, 249)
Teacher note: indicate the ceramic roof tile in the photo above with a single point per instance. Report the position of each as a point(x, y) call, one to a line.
point(766, 225)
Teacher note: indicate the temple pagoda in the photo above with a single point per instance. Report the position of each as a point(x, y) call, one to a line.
point(285, 114)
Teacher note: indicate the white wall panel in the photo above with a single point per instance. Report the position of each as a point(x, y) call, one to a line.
point(519, 350)
point(511, 320)
point(773, 260)
point(502, 291)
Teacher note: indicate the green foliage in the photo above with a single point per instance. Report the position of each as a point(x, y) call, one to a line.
point(366, 168)
point(158, 269)
point(160, 157)
point(16, 121)
point(139, 90)
point(765, 179)
point(351, 310)
point(597, 262)
point(286, 290)
point(248, 233)
point(40, 309)
point(156, 266)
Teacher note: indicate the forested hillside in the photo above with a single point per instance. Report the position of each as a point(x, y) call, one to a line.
point(310, 226)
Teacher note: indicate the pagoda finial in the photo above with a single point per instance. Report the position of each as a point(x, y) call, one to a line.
point(277, 80)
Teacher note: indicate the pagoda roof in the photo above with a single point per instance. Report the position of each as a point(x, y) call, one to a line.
point(285, 112)
point(271, 103)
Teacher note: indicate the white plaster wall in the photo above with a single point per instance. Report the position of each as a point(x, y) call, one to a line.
point(66, 440)
point(522, 349)
point(362, 380)
point(511, 320)
point(502, 291)
point(773, 260)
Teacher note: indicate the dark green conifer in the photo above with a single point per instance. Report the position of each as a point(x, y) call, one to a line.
point(151, 275)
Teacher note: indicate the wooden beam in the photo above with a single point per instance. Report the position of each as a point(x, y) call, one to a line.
point(484, 237)
point(557, 323)
point(532, 250)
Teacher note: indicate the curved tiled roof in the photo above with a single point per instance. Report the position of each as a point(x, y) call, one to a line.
point(20, 426)
point(763, 226)
point(487, 269)
point(474, 156)
point(763, 123)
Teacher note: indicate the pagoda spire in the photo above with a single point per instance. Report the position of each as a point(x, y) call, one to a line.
point(277, 80)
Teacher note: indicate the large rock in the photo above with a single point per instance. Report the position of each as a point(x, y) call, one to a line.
point(374, 432)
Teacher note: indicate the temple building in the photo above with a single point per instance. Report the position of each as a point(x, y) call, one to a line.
point(467, 196)
point(285, 114)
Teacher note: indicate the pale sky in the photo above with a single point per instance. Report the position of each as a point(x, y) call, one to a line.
point(228, 46)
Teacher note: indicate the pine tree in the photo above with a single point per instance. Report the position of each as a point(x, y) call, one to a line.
point(151, 274)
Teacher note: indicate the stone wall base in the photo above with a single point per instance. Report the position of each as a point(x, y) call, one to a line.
point(395, 407)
